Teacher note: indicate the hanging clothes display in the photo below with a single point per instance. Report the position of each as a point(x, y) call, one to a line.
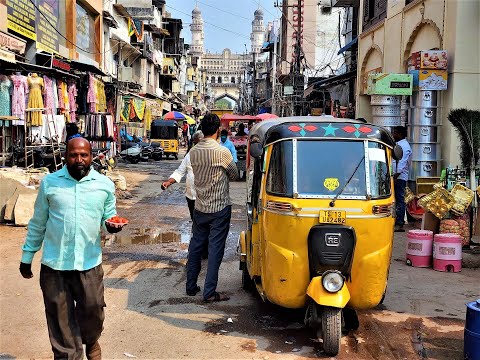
point(5, 86)
point(63, 101)
point(49, 97)
point(92, 94)
point(99, 127)
point(72, 95)
point(35, 99)
point(82, 95)
point(19, 97)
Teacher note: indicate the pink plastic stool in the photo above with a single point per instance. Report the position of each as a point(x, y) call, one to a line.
point(419, 248)
point(447, 252)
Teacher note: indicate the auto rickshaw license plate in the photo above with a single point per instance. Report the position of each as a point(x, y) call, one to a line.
point(333, 217)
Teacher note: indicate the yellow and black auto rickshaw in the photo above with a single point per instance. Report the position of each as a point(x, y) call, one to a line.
point(165, 132)
point(320, 214)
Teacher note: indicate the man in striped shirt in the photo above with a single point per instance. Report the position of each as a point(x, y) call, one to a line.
point(212, 166)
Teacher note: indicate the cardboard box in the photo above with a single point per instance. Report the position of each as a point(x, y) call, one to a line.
point(430, 59)
point(430, 222)
point(429, 79)
point(389, 84)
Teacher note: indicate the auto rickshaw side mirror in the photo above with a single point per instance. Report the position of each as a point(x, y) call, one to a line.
point(256, 150)
point(397, 152)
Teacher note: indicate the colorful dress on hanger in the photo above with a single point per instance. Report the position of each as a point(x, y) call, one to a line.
point(5, 87)
point(19, 96)
point(49, 99)
point(35, 100)
point(91, 95)
point(72, 95)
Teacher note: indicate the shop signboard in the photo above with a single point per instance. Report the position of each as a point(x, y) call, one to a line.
point(389, 84)
point(365, 78)
point(7, 56)
point(430, 59)
point(12, 43)
point(47, 37)
point(60, 64)
point(21, 18)
point(429, 79)
point(168, 67)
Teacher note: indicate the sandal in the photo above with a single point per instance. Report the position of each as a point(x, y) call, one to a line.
point(193, 293)
point(217, 297)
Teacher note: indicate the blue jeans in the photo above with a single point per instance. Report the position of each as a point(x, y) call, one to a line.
point(212, 228)
point(400, 186)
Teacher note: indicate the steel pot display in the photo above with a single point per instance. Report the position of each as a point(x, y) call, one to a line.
point(386, 110)
point(423, 134)
point(423, 116)
point(426, 151)
point(385, 100)
point(424, 169)
point(424, 99)
point(387, 120)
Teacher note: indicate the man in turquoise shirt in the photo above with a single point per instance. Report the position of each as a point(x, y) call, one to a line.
point(225, 141)
point(71, 206)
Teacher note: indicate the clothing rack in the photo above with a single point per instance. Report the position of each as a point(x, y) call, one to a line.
point(99, 126)
point(3, 136)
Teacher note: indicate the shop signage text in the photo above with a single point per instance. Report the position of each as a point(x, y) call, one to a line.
point(47, 37)
point(59, 64)
point(21, 18)
point(12, 43)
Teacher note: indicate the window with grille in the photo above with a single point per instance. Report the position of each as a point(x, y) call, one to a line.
point(374, 11)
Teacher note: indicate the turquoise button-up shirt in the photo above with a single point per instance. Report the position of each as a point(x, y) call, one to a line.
point(67, 220)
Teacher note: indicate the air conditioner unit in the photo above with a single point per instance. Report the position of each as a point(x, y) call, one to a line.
point(125, 74)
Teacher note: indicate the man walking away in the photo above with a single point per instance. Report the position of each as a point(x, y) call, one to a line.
point(226, 142)
point(400, 171)
point(212, 166)
point(71, 205)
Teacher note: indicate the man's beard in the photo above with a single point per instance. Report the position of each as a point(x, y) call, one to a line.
point(78, 171)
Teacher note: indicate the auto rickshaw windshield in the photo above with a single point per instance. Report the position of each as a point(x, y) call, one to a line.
point(325, 168)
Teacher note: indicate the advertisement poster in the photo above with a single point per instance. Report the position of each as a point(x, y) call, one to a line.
point(47, 37)
point(21, 17)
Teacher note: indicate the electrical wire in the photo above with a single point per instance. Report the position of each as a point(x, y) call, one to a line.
point(225, 11)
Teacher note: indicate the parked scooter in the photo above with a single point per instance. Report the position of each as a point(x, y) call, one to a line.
point(132, 154)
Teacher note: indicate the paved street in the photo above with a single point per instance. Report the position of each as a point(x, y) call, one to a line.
point(148, 314)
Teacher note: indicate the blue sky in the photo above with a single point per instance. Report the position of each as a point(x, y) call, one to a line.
point(221, 15)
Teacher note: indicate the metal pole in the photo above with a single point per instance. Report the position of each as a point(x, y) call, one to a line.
point(274, 79)
point(254, 82)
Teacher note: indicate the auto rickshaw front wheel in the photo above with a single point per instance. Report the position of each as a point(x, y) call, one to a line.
point(331, 329)
point(247, 282)
point(175, 156)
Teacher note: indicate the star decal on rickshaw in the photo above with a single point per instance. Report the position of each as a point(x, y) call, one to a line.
point(301, 129)
point(357, 129)
point(329, 130)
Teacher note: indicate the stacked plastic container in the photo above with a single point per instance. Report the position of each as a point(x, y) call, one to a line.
point(424, 129)
point(447, 252)
point(419, 248)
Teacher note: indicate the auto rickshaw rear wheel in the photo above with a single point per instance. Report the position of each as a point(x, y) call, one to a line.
point(331, 330)
point(175, 156)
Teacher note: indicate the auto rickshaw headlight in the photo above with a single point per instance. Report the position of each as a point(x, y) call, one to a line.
point(332, 281)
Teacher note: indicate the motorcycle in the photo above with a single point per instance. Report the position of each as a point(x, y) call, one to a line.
point(103, 162)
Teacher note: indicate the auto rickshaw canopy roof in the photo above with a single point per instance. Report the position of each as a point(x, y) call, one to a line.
point(226, 119)
point(326, 127)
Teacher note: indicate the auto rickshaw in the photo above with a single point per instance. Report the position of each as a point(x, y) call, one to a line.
point(320, 211)
point(165, 133)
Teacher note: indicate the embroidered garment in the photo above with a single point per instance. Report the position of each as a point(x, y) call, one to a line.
point(72, 94)
point(19, 96)
point(49, 100)
point(5, 87)
point(35, 99)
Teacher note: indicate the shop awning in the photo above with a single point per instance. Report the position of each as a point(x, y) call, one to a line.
point(348, 46)
point(44, 69)
point(331, 81)
point(7, 56)
point(87, 67)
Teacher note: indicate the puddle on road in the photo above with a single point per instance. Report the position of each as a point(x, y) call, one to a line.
point(150, 236)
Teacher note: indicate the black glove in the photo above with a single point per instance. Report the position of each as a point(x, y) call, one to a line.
point(112, 230)
point(26, 270)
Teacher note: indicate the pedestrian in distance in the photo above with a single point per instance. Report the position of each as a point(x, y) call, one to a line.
point(192, 129)
point(71, 206)
point(212, 166)
point(185, 169)
point(401, 169)
point(185, 133)
point(226, 142)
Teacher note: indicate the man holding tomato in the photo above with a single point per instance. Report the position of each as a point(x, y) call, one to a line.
point(71, 206)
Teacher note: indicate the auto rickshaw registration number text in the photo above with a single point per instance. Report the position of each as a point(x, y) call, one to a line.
point(333, 217)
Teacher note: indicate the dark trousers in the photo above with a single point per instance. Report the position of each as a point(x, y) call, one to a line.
point(74, 307)
point(212, 228)
point(400, 186)
point(191, 207)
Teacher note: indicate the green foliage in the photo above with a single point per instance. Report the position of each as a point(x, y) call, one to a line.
point(467, 125)
point(223, 104)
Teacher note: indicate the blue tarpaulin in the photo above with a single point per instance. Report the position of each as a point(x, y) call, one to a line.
point(347, 46)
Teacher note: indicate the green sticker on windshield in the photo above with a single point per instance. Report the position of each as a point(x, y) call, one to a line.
point(331, 183)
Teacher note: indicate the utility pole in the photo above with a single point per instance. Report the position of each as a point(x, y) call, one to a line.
point(274, 78)
point(297, 83)
point(254, 84)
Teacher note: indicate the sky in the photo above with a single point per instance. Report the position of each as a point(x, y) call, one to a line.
point(227, 23)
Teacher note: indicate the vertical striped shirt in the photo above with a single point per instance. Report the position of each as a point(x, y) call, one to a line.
point(212, 166)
